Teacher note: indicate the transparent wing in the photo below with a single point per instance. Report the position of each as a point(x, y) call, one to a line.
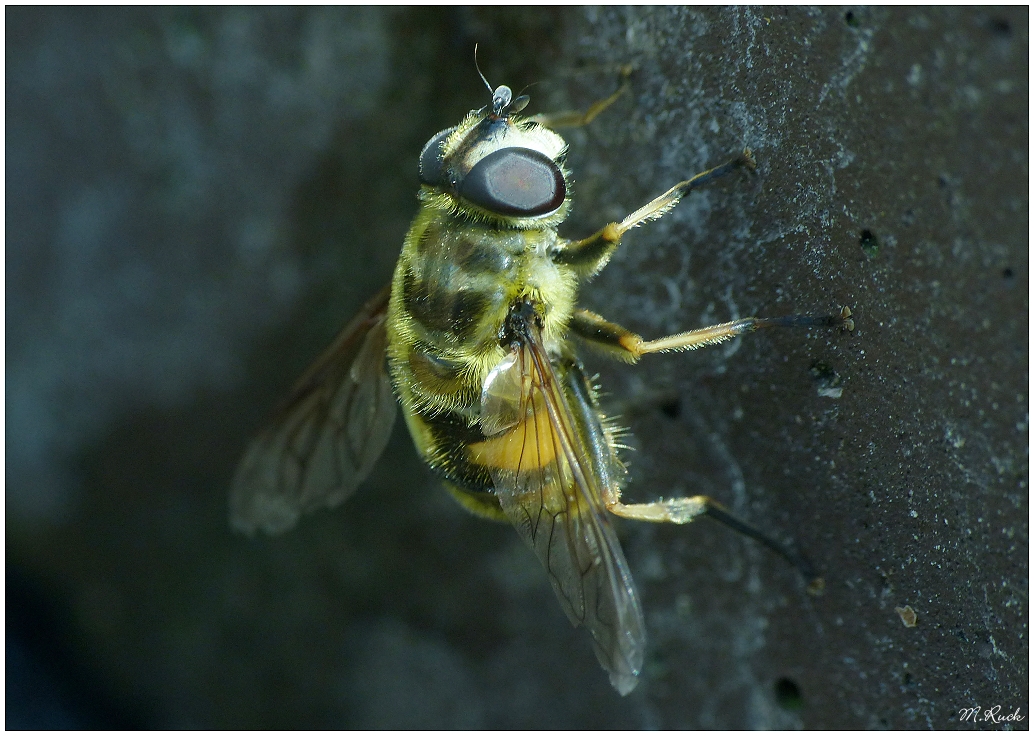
point(324, 440)
point(550, 472)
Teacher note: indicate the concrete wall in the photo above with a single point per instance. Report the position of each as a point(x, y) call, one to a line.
point(197, 200)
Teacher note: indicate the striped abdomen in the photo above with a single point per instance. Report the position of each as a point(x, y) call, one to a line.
point(454, 284)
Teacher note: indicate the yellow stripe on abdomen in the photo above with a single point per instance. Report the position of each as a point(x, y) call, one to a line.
point(529, 445)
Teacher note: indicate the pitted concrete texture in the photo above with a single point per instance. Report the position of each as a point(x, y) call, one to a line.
point(198, 199)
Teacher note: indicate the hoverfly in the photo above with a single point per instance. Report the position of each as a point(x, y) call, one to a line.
point(473, 338)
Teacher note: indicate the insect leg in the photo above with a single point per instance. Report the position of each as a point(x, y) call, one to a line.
point(577, 118)
point(630, 347)
point(626, 345)
point(684, 510)
point(589, 255)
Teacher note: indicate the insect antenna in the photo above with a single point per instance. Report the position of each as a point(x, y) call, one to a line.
point(480, 74)
point(502, 96)
point(521, 100)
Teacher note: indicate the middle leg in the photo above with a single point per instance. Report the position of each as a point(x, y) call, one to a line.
point(630, 347)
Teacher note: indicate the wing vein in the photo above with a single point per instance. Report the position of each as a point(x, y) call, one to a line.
point(554, 479)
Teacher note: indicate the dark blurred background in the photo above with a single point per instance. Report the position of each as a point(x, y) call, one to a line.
point(198, 199)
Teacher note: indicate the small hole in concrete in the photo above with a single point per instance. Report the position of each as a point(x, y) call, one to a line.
point(788, 694)
point(851, 19)
point(1007, 273)
point(1001, 26)
point(869, 242)
point(827, 380)
point(672, 409)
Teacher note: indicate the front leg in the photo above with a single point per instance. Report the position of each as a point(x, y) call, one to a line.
point(578, 118)
point(588, 256)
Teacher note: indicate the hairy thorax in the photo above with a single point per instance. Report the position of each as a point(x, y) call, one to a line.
point(453, 287)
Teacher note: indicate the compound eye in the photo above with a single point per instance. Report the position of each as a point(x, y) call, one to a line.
point(515, 181)
point(431, 159)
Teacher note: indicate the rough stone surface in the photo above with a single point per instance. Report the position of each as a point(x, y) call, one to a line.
point(196, 200)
